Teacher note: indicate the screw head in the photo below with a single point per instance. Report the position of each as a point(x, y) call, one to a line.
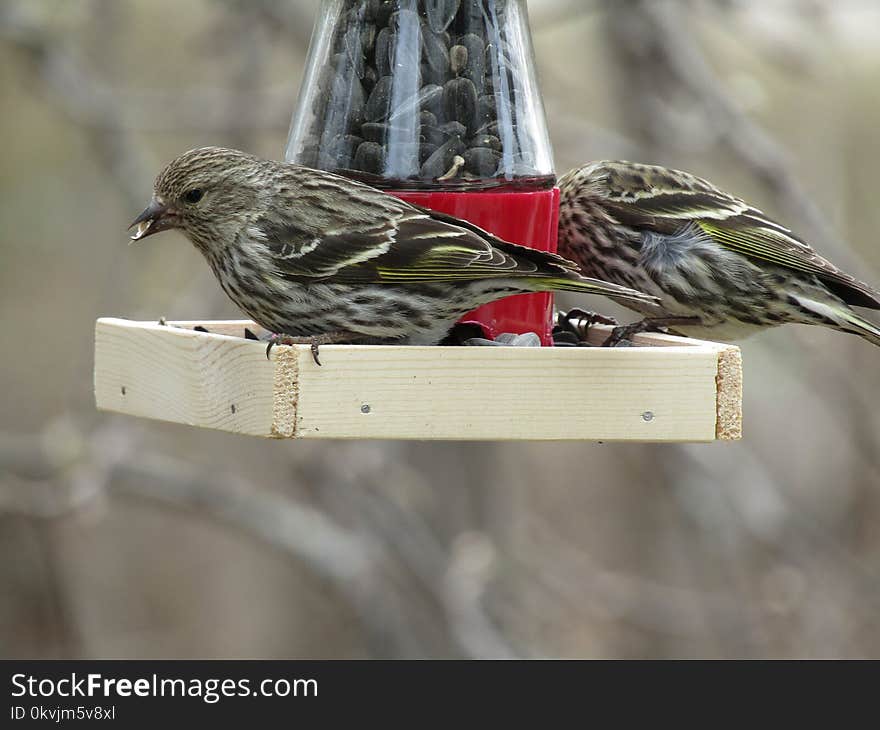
point(365, 408)
point(648, 416)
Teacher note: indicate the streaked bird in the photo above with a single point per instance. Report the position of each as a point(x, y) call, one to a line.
point(313, 255)
point(720, 267)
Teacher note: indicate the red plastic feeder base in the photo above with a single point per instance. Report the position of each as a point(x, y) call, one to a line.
point(528, 218)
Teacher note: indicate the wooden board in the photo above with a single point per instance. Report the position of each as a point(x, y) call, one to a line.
point(665, 389)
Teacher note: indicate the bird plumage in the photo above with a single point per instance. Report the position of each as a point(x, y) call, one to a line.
point(703, 252)
point(305, 252)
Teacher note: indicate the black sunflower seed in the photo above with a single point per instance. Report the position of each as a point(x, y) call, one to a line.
point(426, 149)
point(440, 161)
point(453, 129)
point(489, 129)
point(485, 140)
point(370, 157)
point(370, 78)
point(460, 102)
point(432, 135)
point(339, 151)
point(481, 161)
point(382, 10)
point(436, 54)
point(440, 13)
point(346, 106)
point(382, 52)
point(378, 105)
point(458, 59)
point(368, 39)
point(487, 109)
point(374, 131)
point(431, 99)
point(475, 69)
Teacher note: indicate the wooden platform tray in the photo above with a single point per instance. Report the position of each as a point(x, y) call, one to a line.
point(664, 389)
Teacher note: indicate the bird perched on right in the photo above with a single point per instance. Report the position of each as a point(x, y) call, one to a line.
point(721, 268)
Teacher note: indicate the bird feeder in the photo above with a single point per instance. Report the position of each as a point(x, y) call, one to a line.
point(435, 101)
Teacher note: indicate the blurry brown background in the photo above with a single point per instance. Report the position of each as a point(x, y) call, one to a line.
point(126, 538)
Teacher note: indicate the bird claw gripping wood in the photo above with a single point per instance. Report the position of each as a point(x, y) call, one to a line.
point(576, 322)
point(313, 342)
point(622, 334)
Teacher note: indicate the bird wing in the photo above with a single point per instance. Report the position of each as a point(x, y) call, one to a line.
point(654, 198)
point(401, 243)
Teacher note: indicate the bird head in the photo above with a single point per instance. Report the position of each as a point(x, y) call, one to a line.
point(205, 193)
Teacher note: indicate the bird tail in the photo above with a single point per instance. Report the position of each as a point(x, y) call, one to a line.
point(586, 285)
point(837, 315)
point(860, 326)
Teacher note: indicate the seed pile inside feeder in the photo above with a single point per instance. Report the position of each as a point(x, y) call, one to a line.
point(424, 94)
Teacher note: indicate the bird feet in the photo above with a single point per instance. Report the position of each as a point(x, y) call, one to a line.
point(624, 333)
point(571, 333)
point(328, 338)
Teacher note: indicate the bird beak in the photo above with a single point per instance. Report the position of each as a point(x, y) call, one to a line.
point(156, 217)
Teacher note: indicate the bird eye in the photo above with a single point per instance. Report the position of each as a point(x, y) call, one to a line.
point(194, 195)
